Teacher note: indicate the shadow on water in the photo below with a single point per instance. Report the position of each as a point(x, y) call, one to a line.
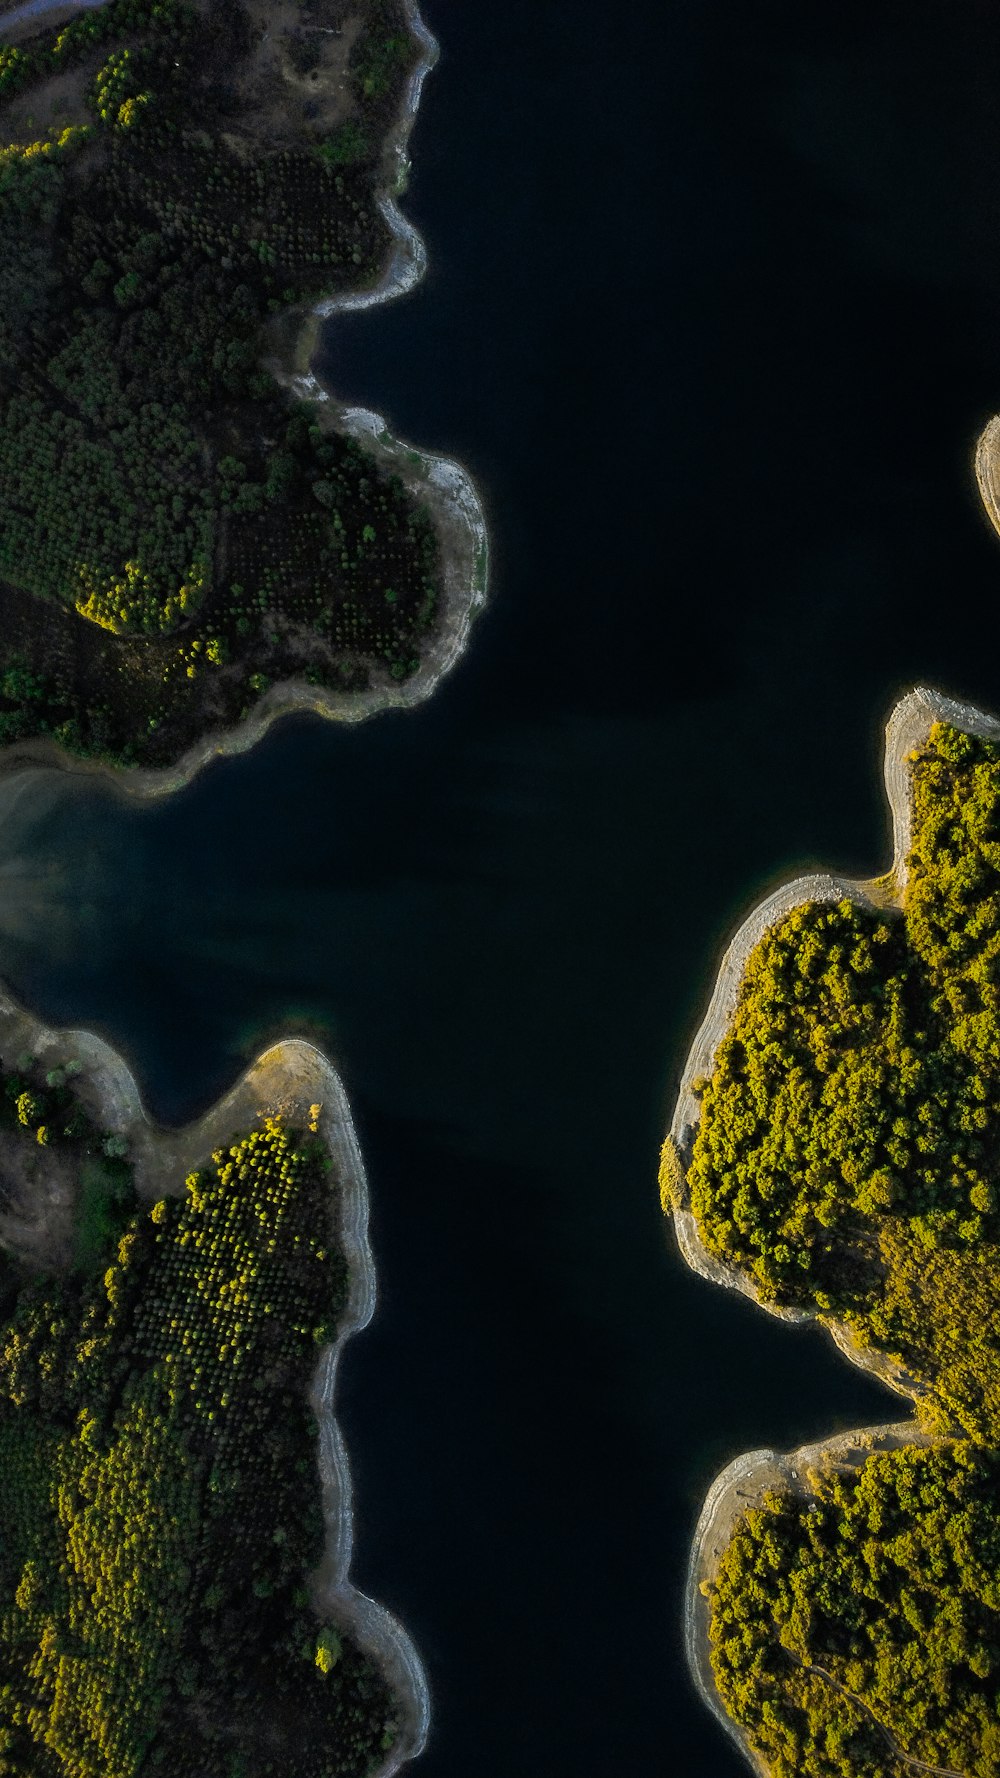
point(711, 316)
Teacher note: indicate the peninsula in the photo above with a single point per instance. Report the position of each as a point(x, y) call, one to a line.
point(174, 1579)
point(833, 1155)
point(194, 537)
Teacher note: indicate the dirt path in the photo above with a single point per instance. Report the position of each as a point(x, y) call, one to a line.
point(739, 1488)
point(907, 1759)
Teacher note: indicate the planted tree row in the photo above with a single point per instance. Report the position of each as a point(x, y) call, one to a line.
point(163, 1505)
point(847, 1158)
point(158, 487)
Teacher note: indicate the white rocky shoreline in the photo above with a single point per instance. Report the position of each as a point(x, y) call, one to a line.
point(739, 1488)
point(285, 1079)
point(293, 1074)
point(744, 1481)
point(441, 484)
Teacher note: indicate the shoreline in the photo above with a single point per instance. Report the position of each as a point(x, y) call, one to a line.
point(907, 728)
point(286, 1078)
point(293, 1072)
point(739, 1488)
point(439, 482)
point(986, 463)
point(17, 17)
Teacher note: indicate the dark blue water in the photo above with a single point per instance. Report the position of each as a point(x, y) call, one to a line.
point(713, 318)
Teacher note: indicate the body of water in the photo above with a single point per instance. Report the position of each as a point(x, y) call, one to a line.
point(712, 318)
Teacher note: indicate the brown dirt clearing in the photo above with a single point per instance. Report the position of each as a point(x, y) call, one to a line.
point(296, 82)
point(38, 1186)
point(55, 104)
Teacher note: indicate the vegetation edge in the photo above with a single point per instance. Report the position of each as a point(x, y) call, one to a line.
point(286, 1078)
point(908, 727)
point(442, 484)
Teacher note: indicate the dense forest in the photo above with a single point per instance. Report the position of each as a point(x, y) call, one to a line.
point(846, 1157)
point(862, 1626)
point(177, 533)
point(161, 1489)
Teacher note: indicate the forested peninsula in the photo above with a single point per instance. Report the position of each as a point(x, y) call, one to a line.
point(174, 1589)
point(193, 537)
point(834, 1155)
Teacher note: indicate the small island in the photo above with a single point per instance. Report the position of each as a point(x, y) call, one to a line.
point(174, 1587)
point(834, 1155)
point(194, 537)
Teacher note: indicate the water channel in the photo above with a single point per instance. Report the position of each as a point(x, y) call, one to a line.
point(712, 316)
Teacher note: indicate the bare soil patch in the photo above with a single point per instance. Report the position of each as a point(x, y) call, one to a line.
point(38, 1189)
point(296, 80)
point(55, 104)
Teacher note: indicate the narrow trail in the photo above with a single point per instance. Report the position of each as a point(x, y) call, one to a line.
point(906, 1759)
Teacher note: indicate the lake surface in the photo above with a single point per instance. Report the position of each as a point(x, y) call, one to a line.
point(713, 317)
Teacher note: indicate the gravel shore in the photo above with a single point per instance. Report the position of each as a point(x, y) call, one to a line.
point(440, 484)
point(987, 467)
point(286, 1079)
point(739, 1488)
point(743, 1482)
point(907, 729)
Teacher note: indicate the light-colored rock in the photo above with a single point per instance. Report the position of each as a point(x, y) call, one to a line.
point(744, 1481)
point(286, 1080)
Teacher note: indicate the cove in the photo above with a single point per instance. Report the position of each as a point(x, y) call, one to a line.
point(710, 317)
